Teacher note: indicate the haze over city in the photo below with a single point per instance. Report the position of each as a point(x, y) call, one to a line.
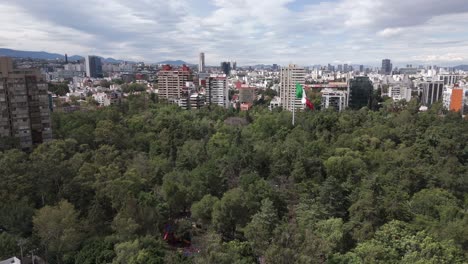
point(249, 31)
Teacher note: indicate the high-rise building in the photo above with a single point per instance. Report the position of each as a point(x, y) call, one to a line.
point(289, 77)
point(454, 98)
point(172, 82)
point(360, 93)
point(275, 67)
point(361, 68)
point(217, 92)
point(345, 68)
point(201, 63)
point(24, 105)
point(340, 68)
point(93, 67)
point(332, 98)
point(66, 58)
point(387, 66)
point(234, 65)
point(431, 91)
point(226, 67)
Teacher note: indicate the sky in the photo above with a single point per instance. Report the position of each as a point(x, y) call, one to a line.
point(304, 32)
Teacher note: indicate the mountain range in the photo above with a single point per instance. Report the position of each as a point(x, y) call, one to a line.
point(55, 56)
point(461, 67)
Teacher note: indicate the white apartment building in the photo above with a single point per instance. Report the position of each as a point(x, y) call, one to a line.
point(336, 99)
point(217, 92)
point(289, 77)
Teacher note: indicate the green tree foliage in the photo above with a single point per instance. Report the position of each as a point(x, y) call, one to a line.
point(396, 242)
point(386, 186)
point(60, 89)
point(260, 230)
point(58, 227)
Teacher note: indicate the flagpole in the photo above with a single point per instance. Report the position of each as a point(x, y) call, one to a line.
point(293, 98)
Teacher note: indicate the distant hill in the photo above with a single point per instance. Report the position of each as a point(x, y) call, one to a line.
point(46, 55)
point(461, 67)
point(174, 62)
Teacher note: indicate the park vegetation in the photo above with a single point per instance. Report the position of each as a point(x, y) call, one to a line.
point(386, 186)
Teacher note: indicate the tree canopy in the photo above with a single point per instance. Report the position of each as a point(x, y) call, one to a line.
point(147, 182)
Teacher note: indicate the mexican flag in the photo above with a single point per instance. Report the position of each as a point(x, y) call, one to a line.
point(300, 93)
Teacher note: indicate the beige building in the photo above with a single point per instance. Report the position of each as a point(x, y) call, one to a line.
point(289, 77)
point(172, 82)
point(24, 105)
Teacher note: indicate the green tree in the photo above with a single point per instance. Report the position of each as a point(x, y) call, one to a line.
point(260, 230)
point(230, 213)
point(202, 210)
point(58, 228)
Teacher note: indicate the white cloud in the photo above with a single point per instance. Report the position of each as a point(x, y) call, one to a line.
point(249, 31)
point(390, 32)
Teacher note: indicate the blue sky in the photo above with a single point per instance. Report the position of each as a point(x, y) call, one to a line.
point(305, 32)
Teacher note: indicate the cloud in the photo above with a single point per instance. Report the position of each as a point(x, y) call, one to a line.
point(390, 32)
point(249, 31)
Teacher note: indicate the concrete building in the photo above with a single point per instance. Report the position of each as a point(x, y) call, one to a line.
point(93, 67)
point(275, 103)
point(107, 99)
point(201, 63)
point(332, 98)
point(289, 77)
point(172, 82)
point(197, 101)
point(450, 79)
point(24, 105)
point(431, 92)
point(217, 92)
point(387, 67)
point(399, 88)
point(399, 91)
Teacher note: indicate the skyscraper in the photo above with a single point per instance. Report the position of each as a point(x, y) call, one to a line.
point(387, 67)
point(345, 68)
point(201, 63)
point(66, 58)
point(289, 77)
point(93, 67)
point(217, 92)
point(226, 67)
point(24, 105)
point(360, 93)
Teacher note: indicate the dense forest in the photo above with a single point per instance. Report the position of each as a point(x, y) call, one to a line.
point(145, 183)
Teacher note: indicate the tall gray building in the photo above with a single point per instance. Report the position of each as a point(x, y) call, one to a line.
point(93, 67)
point(432, 92)
point(387, 66)
point(201, 63)
point(24, 105)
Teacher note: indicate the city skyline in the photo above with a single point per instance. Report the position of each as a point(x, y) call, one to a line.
point(250, 32)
